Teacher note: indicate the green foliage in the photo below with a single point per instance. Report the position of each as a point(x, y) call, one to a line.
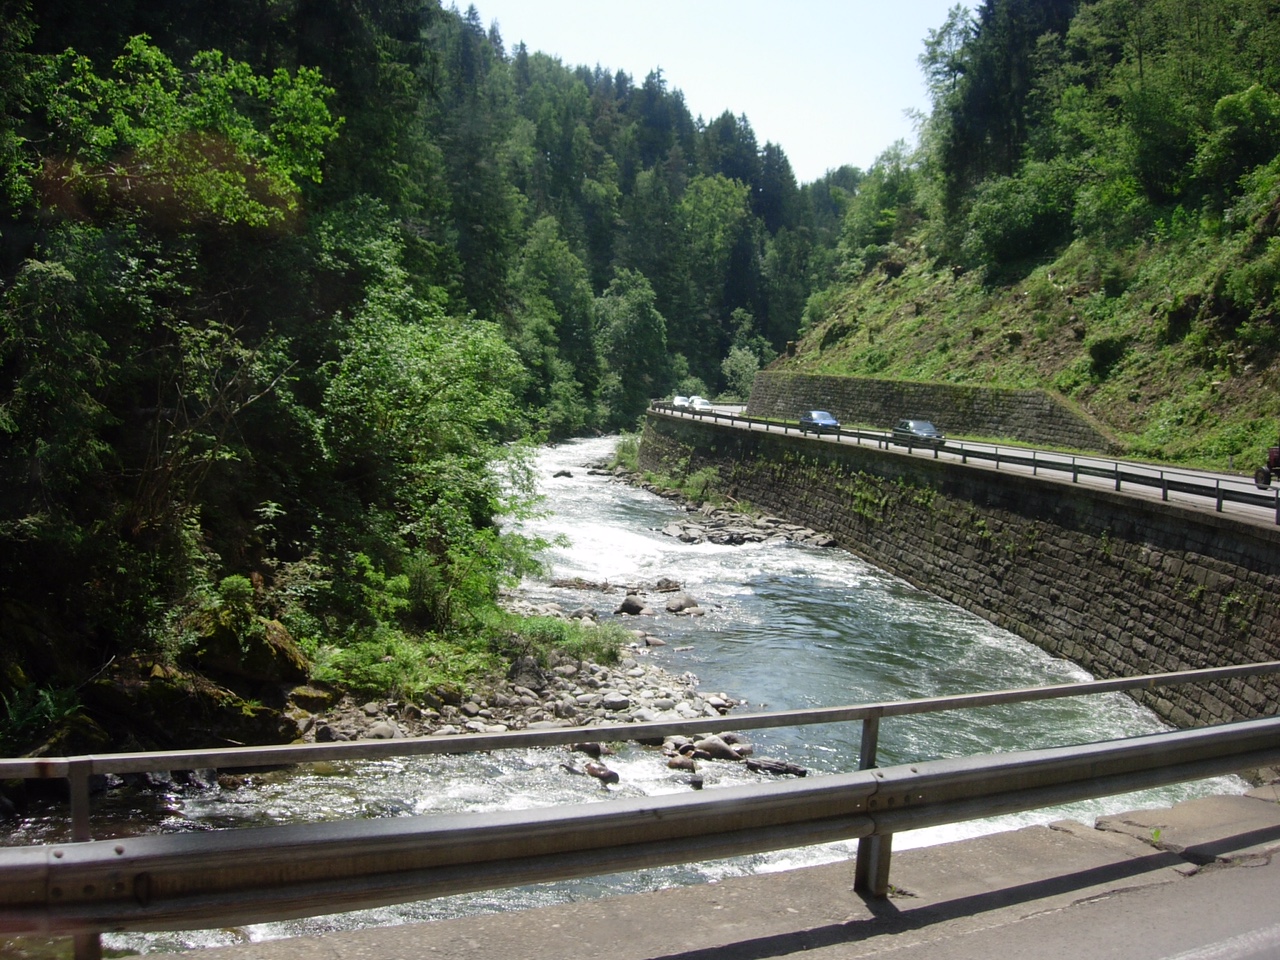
point(1012, 219)
point(1104, 354)
point(701, 485)
point(739, 369)
point(627, 452)
point(1244, 134)
point(553, 330)
point(32, 712)
point(1253, 289)
point(631, 336)
point(883, 209)
point(181, 143)
point(389, 662)
point(263, 362)
point(515, 636)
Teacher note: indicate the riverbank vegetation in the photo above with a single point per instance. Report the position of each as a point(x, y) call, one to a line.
point(288, 295)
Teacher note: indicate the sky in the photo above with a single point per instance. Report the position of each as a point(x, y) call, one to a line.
point(829, 81)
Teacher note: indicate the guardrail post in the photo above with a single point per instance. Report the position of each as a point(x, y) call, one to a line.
point(1164, 486)
point(871, 867)
point(1218, 485)
point(1075, 471)
point(1117, 476)
point(1278, 508)
point(85, 946)
point(78, 786)
point(870, 742)
point(1033, 463)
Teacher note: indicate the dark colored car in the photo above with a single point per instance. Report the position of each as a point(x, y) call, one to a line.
point(919, 433)
point(819, 421)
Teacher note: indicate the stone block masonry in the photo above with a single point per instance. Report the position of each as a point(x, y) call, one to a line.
point(1120, 586)
point(1028, 416)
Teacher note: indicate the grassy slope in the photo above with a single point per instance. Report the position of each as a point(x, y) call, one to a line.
point(1128, 336)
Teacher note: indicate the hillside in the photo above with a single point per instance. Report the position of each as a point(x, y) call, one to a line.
point(1130, 336)
point(1093, 209)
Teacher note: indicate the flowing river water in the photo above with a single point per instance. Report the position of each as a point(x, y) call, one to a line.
point(787, 627)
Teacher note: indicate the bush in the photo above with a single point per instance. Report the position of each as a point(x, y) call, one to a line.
point(512, 636)
point(392, 663)
point(627, 452)
point(1104, 354)
point(1113, 208)
point(30, 713)
point(1253, 287)
point(1016, 218)
point(1245, 134)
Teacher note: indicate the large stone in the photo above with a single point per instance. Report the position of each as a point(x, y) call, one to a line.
point(717, 748)
point(681, 601)
point(526, 672)
point(633, 605)
point(384, 730)
point(179, 710)
point(313, 696)
point(260, 650)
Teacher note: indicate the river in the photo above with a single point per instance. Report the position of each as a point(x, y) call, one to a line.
point(787, 627)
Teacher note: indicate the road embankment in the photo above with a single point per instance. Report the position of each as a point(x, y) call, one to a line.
point(1119, 585)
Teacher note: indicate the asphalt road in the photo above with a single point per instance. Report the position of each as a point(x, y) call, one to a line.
point(1061, 468)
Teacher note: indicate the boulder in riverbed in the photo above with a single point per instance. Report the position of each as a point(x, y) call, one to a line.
point(680, 601)
point(633, 605)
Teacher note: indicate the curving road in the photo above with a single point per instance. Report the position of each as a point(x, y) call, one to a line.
point(1201, 490)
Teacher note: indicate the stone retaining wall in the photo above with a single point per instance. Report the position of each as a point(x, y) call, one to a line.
point(1120, 586)
point(1029, 416)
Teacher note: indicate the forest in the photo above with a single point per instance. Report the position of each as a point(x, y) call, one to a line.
point(290, 289)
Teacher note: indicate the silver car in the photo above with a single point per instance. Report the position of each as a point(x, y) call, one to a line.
point(919, 433)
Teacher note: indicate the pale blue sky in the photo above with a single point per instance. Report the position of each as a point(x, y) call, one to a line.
point(830, 81)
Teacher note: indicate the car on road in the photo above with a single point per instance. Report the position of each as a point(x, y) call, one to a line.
point(699, 405)
point(920, 433)
point(680, 403)
point(819, 421)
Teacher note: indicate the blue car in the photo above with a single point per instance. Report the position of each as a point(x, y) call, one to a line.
point(819, 421)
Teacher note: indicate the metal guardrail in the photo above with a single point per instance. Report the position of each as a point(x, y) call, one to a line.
point(257, 874)
point(1166, 481)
